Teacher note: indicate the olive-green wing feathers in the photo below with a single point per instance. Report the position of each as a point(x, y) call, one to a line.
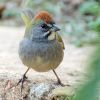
point(58, 37)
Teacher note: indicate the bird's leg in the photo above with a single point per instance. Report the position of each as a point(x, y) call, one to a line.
point(58, 79)
point(23, 79)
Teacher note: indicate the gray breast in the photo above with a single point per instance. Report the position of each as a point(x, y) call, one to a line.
point(41, 56)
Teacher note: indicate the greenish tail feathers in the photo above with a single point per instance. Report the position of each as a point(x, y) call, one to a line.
point(27, 16)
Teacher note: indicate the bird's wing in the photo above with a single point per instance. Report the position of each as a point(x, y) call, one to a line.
point(59, 39)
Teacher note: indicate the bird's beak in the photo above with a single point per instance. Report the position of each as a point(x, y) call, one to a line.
point(54, 28)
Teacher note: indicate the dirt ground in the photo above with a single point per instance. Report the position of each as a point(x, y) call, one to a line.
point(70, 70)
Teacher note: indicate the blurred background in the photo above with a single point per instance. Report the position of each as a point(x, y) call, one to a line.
point(75, 17)
point(79, 21)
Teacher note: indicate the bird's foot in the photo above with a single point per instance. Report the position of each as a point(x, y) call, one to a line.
point(22, 80)
point(60, 83)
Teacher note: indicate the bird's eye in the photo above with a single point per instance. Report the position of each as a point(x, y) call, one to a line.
point(44, 26)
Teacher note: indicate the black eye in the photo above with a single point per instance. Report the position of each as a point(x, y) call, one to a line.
point(44, 26)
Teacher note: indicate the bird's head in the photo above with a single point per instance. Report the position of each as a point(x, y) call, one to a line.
point(48, 20)
point(41, 26)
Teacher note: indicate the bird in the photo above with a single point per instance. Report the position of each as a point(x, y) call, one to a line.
point(41, 47)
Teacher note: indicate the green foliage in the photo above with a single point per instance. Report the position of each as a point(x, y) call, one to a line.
point(90, 7)
point(51, 6)
point(11, 12)
point(2, 1)
point(83, 27)
point(79, 34)
point(90, 89)
point(95, 25)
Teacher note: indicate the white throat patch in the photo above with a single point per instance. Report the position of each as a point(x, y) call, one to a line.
point(52, 36)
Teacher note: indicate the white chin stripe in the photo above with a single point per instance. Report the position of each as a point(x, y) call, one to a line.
point(46, 33)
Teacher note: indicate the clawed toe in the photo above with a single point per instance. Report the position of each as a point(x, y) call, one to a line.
point(22, 80)
point(60, 83)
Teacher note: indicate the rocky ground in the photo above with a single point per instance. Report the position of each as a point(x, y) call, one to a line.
point(71, 70)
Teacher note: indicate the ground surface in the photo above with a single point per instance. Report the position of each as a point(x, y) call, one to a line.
point(11, 68)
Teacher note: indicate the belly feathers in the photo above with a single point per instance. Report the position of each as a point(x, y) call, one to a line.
point(40, 56)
